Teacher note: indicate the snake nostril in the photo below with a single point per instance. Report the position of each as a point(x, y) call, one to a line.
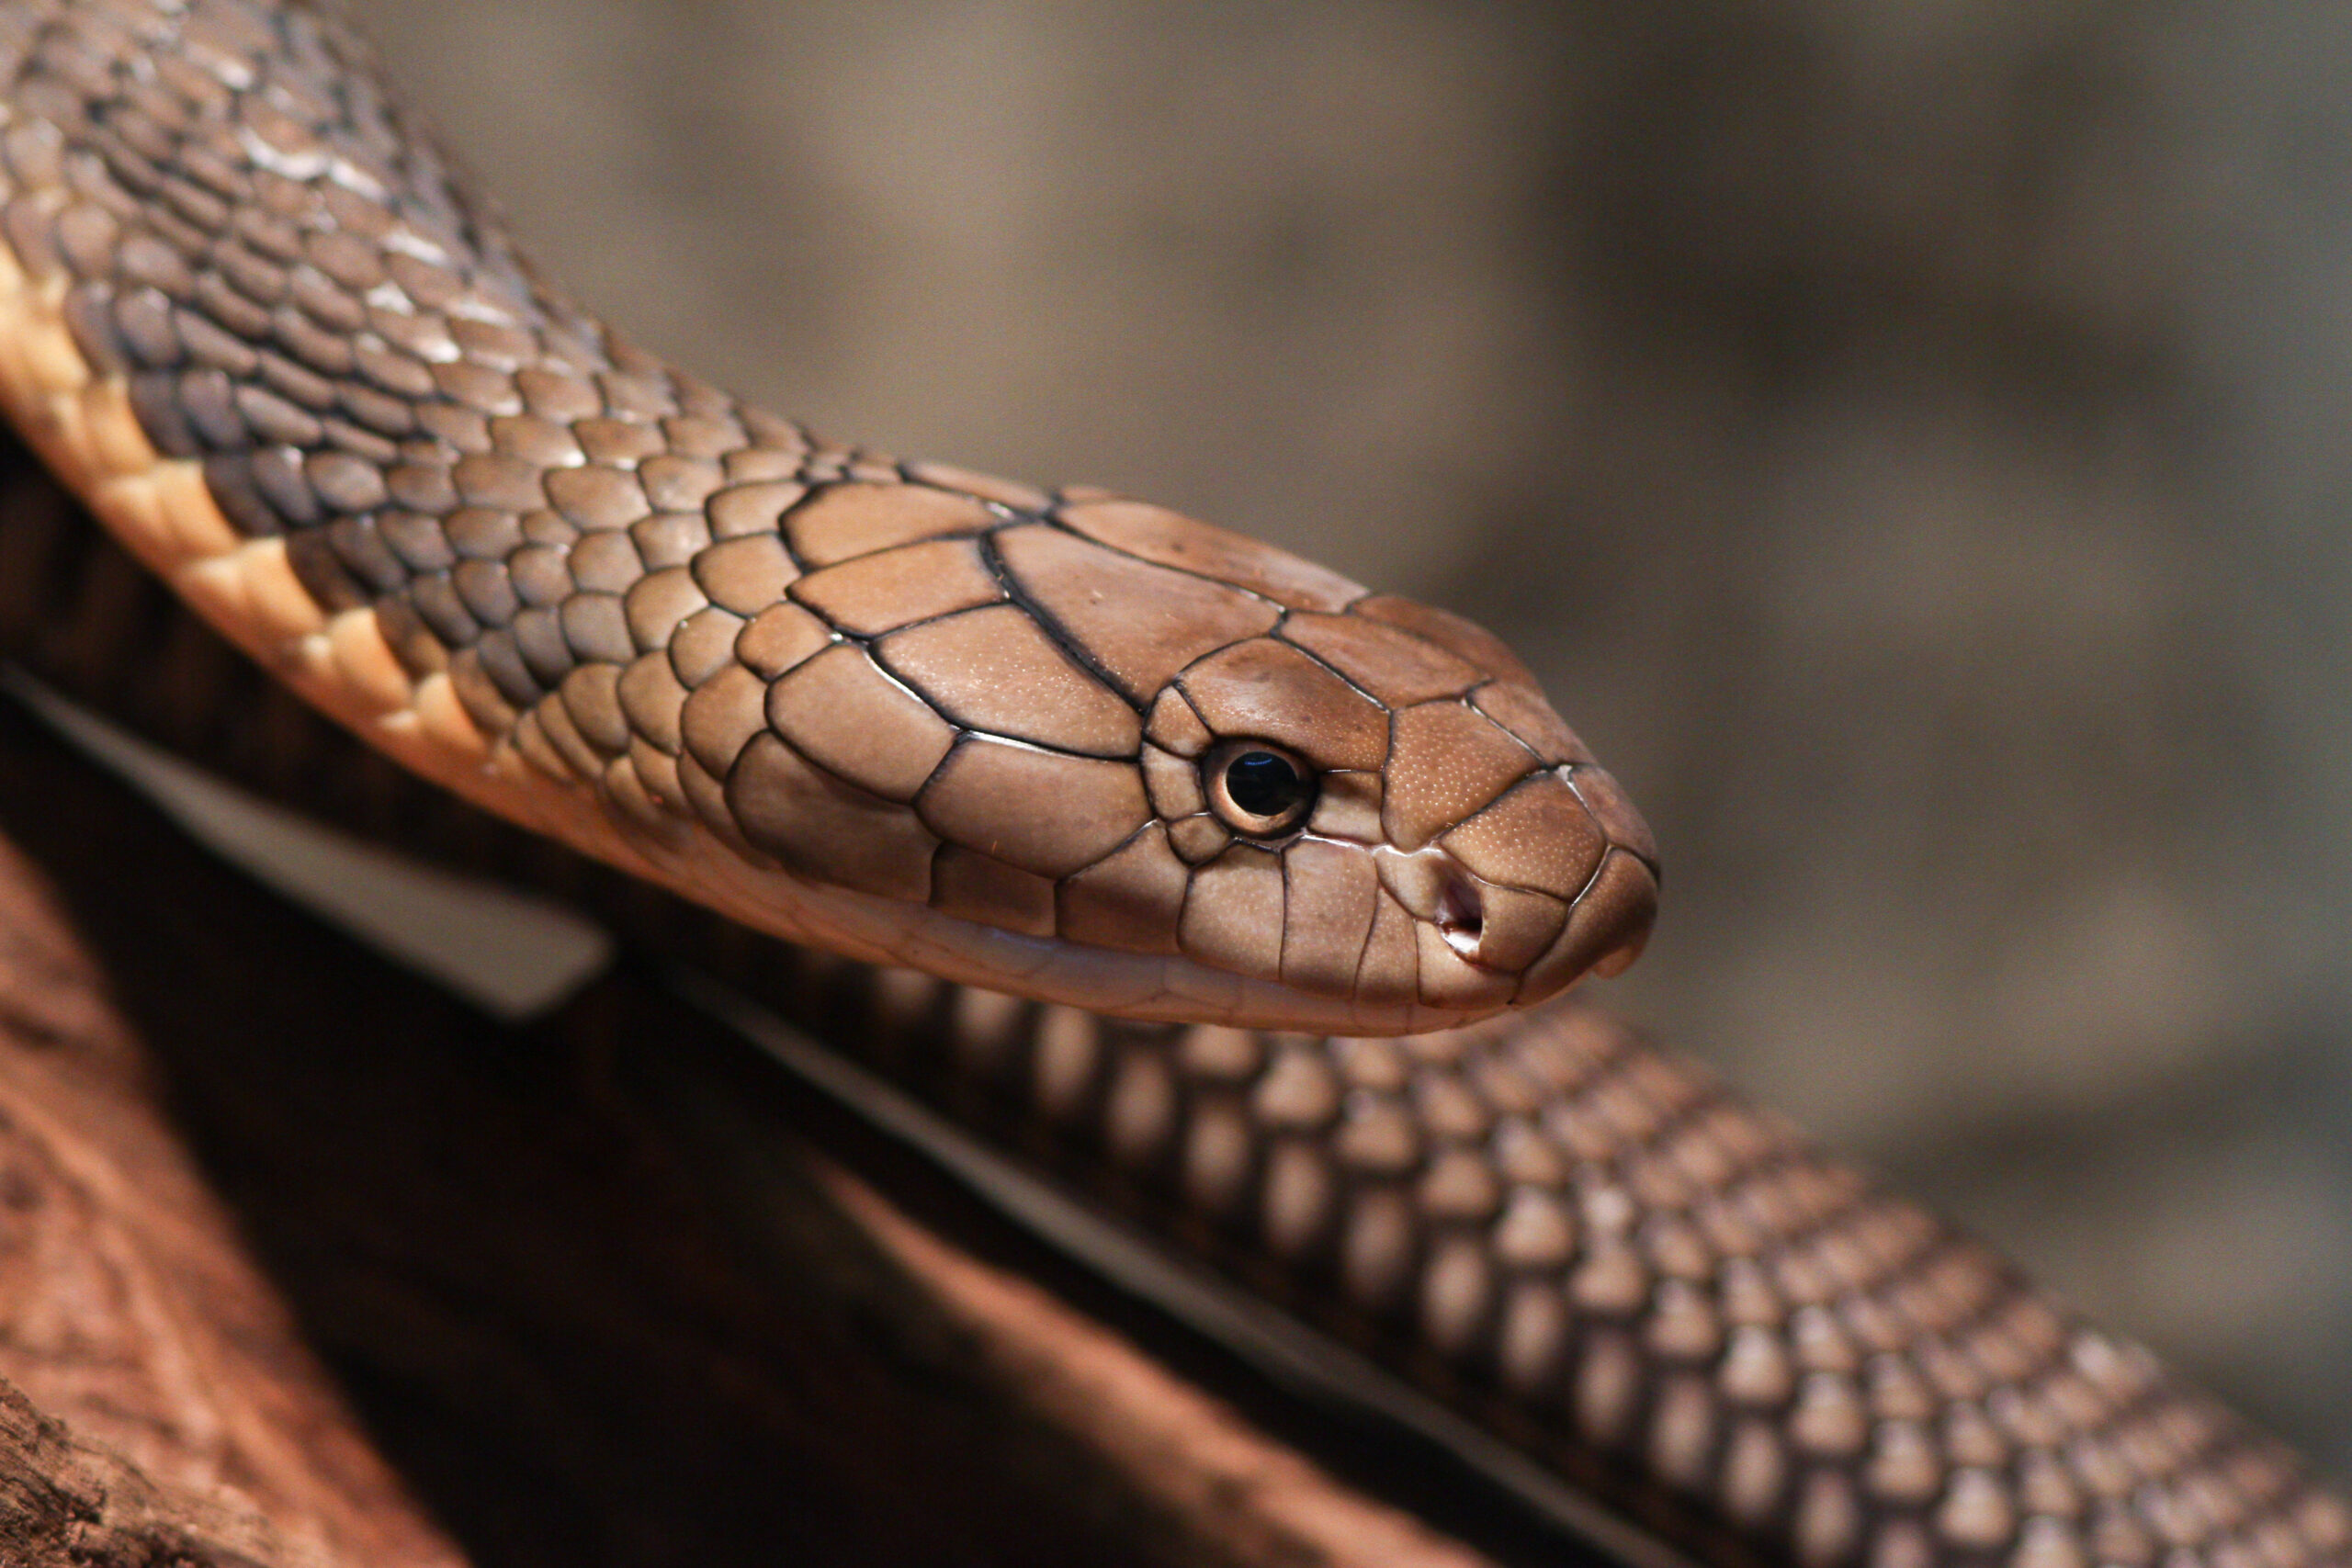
point(1461, 916)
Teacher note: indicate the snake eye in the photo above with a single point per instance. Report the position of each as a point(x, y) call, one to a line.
point(1258, 789)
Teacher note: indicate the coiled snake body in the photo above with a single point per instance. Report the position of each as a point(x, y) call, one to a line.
point(1176, 789)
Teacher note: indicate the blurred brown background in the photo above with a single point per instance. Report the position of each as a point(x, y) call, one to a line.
point(1905, 435)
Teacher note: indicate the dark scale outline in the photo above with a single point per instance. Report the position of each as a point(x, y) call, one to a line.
point(875, 653)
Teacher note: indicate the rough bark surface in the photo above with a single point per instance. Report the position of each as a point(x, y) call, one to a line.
point(158, 1407)
point(65, 1501)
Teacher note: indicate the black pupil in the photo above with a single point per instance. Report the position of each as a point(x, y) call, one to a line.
point(1263, 784)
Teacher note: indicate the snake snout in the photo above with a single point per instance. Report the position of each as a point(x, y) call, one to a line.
point(1552, 880)
point(1607, 927)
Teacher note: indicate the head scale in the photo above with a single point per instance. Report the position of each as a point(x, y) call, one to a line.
point(1164, 771)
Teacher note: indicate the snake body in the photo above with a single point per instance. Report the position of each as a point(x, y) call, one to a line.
point(1035, 751)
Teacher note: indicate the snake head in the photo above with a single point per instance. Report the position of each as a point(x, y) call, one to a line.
point(1379, 806)
point(1128, 761)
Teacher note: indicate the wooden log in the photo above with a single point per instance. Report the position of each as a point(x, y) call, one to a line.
point(162, 1408)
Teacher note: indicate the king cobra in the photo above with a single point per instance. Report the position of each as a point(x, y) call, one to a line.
point(1198, 854)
